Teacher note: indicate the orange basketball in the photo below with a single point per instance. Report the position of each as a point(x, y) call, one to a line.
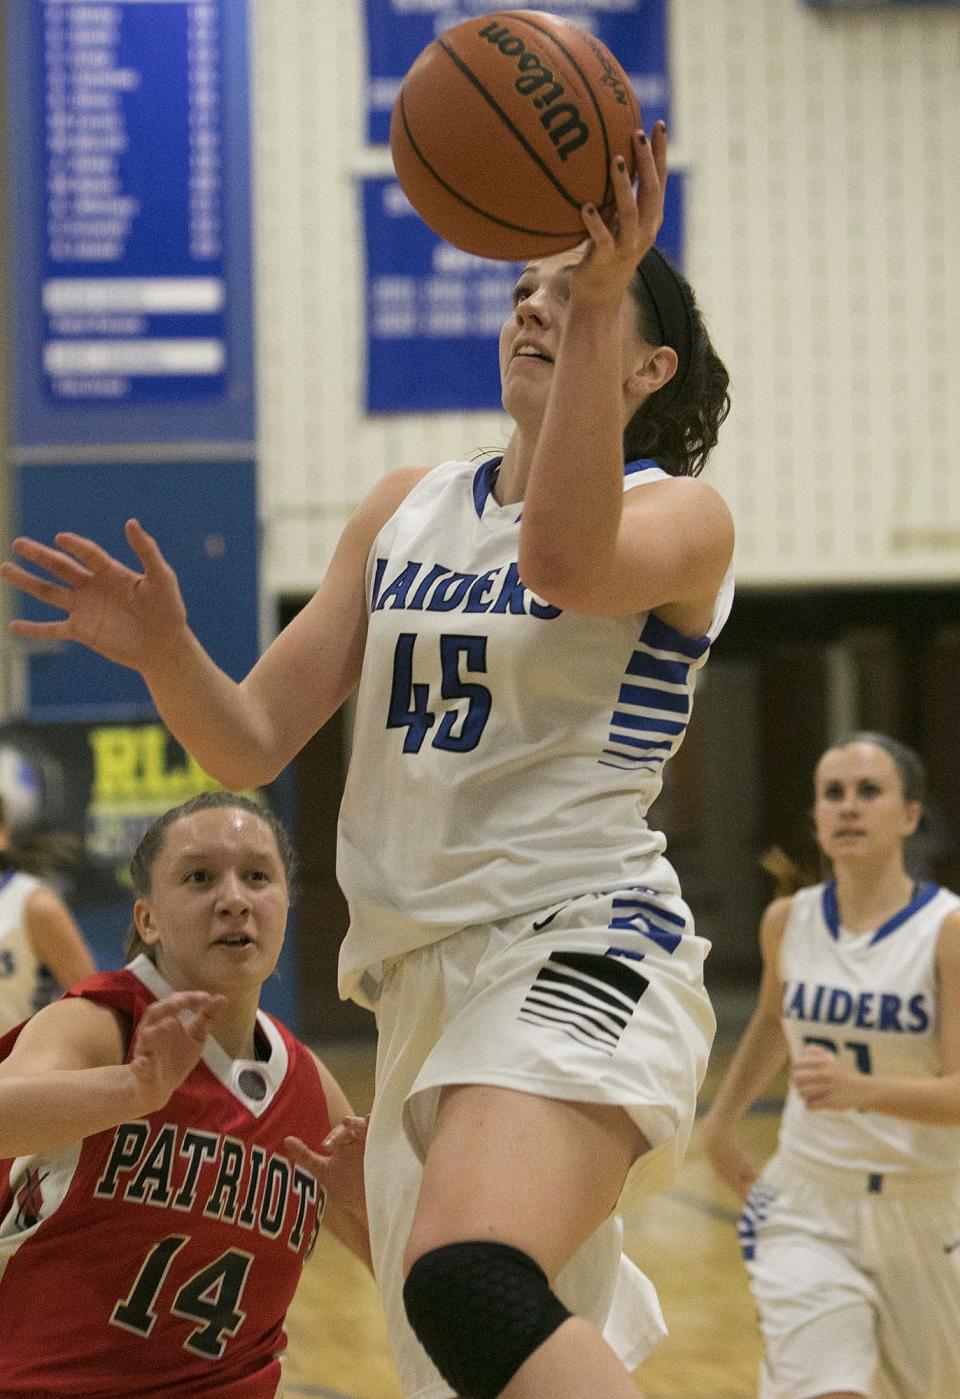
point(505, 126)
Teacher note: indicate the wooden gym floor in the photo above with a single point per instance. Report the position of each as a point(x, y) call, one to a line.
point(685, 1241)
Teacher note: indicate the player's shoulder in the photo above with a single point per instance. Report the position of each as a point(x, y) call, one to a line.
point(948, 934)
point(390, 493)
point(773, 924)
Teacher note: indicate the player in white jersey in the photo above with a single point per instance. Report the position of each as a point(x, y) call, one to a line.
point(525, 634)
point(41, 947)
point(851, 1234)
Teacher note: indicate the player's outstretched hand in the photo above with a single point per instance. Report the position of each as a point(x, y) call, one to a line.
point(611, 255)
point(339, 1167)
point(730, 1162)
point(129, 617)
point(168, 1043)
point(823, 1082)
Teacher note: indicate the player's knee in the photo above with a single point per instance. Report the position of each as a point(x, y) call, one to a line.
point(480, 1309)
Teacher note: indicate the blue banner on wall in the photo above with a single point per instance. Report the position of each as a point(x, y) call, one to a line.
point(131, 224)
point(434, 313)
point(398, 30)
point(203, 516)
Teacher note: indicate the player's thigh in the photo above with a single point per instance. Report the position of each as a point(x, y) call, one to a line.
point(914, 1253)
point(541, 1174)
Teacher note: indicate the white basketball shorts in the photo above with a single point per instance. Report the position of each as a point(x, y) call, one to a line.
point(599, 1000)
point(857, 1281)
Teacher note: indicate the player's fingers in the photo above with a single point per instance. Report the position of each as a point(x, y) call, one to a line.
point(311, 1161)
point(42, 631)
point(86, 550)
point(201, 1015)
point(51, 593)
point(144, 546)
point(650, 187)
point(626, 204)
point(595, 226)
point(53, 560)
point(658, 145)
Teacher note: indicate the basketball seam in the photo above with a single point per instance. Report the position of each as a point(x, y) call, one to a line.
point(492, 102)
point(514, 227)
point(548, 34)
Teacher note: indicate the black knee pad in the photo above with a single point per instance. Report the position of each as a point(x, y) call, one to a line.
point(480, 1310)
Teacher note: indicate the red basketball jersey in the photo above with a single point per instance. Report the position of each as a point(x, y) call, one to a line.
point(160, 1257)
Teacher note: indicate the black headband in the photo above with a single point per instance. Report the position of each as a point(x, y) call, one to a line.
point(671, 307)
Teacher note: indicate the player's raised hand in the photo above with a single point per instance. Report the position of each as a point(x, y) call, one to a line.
point(129, 617)
point(168, 1043)
point(613, 251)
point(339, 1168)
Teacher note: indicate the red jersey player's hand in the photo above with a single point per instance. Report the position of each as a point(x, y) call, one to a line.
point(168, 1043)
point(823, 1082)
point(339, 1166)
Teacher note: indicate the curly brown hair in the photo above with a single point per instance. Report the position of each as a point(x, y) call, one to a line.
point(678, 425)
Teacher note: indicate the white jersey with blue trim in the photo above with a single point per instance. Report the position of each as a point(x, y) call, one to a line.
point(871, 998)
point(505, 752)
point(23, 981)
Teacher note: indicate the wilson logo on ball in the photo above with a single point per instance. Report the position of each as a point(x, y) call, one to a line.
point(505, 126)
point(535, 76)
point(610, 76)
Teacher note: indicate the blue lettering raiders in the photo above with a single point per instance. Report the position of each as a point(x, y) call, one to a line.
point(871, 998)
point(172, 1167)
point(883, 1011)
point(422, 587)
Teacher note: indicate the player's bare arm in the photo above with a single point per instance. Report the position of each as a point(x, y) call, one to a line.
point(66, 1078)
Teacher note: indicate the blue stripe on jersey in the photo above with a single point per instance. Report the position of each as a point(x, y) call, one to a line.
point(632, 742)
point(663, 657)
point(627, 900)
point(828, 908)
point(636, 762)
point(641, 916)
point(642, 464)
point(650, 698)
point(483, 480)
point(650, 666)
point(638, 758)
point(645, 721)
point(661, 637)
point(922, 894)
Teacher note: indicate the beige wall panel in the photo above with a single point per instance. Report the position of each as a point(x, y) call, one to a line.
point(823, 157)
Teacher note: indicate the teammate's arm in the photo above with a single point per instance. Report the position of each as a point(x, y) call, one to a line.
point(56, 940)
point(759, 1056)
point(824, 1082)
point(66, 1079)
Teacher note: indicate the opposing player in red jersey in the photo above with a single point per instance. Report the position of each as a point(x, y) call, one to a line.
point(166, 1143)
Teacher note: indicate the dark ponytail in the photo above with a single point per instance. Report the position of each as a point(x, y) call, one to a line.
point(678, 425)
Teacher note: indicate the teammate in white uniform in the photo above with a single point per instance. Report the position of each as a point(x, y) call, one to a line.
point(851, 1234)
point(41, 947)
point(537, 982)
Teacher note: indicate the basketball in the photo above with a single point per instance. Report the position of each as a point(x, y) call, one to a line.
point(505, 126)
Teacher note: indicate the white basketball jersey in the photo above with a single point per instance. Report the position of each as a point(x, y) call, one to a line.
point(22, 979)
point(505, 752)
point(871, 997)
